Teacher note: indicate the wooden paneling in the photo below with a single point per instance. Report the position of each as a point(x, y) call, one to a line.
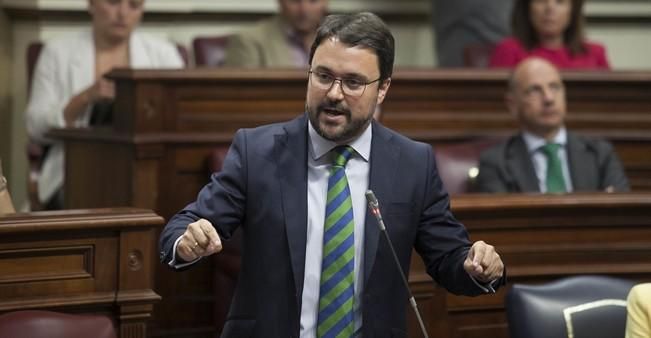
point(81, 261)
point(431, 105)
point(166, 122)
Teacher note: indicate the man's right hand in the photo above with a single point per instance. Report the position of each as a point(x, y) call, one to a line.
point(200, 239)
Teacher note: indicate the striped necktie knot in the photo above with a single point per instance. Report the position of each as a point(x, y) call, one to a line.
point(341, 155)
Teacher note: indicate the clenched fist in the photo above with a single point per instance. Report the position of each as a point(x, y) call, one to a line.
point(483, 262)
point(200, 239)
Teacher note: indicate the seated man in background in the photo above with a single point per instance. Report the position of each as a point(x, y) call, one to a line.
point(545, 157)
point(6, 207)
point(69, 88)
point(638, 321)
point(283, 40)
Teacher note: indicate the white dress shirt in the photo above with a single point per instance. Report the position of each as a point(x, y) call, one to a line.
point(357, 173)
point(539, 159)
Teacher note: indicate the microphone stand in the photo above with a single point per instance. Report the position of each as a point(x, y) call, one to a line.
point(374, 205)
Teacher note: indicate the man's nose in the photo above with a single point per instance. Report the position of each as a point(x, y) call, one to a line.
point(549, 95)
point(336, 91)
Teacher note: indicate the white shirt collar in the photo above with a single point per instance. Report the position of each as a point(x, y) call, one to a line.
point(534, 142)
point(320, 146)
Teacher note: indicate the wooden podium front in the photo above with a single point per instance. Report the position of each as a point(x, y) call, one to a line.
point(167, 123)
point(81, 261)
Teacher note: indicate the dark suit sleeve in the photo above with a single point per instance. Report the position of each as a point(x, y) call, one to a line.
point(222, 201)
point(441, 240)
point(489, 179)
point(611, 172)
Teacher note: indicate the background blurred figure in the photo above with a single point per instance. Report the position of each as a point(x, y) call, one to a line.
point(545, 157)
point(551, 29)
point(6, 206)
point(638, 321)
point(461, 23)
point(281, 41)
point(69, 89)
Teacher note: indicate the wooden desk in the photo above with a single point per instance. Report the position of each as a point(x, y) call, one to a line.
point(420, 102)
point(81, 261)
point(166, 122)
point(206, 106)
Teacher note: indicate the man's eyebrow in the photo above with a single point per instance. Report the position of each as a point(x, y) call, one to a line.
point(323, 69)
point(355, 76)
point(345, 75)
point(532, 87)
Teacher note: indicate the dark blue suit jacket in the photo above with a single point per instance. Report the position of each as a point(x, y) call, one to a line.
point(262, 189)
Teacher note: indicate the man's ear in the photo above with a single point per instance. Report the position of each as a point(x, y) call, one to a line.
point(382, 90)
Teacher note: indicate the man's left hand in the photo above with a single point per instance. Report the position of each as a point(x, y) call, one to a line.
point(483, 263)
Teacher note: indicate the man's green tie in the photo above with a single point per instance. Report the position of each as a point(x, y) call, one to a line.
point(555, 180)
point(335, 316)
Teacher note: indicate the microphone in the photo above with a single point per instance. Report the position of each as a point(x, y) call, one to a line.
point(374, 205)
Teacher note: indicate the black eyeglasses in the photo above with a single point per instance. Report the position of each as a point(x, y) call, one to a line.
point(349, 86)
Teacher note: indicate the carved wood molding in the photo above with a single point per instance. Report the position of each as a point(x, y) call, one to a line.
point(104, 218)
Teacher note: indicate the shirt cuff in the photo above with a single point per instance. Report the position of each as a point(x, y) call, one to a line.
point(486, 287)
point(173, 262)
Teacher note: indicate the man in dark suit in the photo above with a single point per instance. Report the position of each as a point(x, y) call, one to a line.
point(313, 263)
point(545, 157)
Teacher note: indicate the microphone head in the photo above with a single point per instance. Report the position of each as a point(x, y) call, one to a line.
point(370, 197)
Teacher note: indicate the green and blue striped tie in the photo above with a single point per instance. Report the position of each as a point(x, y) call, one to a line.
point(335, 316)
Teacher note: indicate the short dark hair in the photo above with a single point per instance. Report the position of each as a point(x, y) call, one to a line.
point(362, 29)
point(523, 30)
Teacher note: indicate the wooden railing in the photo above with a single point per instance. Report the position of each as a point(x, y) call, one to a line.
point(81, 261)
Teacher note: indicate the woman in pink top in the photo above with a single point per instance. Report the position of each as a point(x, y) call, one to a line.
point(553, 30)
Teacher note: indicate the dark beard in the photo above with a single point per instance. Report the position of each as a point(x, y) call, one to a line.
point(352, 129)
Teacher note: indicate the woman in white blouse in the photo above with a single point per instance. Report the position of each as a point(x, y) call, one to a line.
point(68, 79)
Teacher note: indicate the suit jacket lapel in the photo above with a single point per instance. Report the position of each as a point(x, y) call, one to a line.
point(291, 152)
point(518, 162)
point(582, 173)
point(384, 164)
